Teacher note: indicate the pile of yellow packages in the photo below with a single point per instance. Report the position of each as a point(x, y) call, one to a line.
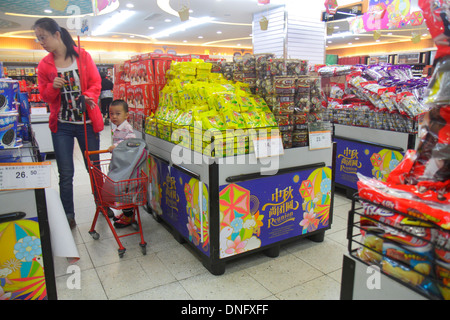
point(209, 107)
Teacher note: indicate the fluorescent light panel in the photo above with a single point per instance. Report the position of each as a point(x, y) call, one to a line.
point(114, 21)
point(193, 22)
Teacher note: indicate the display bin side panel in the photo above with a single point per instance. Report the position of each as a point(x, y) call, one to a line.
point(180, 198)
point(368, 159)
point(259, 212)
point(25, 249)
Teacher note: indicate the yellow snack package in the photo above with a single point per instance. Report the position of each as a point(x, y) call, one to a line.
point(269, 118)
point(253, 119)
point(184, 118)
point(212, 120)
point(233, 119)
point(227, 101)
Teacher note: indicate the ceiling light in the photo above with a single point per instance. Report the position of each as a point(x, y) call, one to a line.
point(48, 11)
point(356, 38)
point(200, 37)
point(336, 27)
point(193, 22)
point(238, 44)
point(151, 28)
point(113, 21)
point(349, 43)
point(341, 34)
point(219, 32)
point(185, 41)
point(130, 5)
point(167, 20)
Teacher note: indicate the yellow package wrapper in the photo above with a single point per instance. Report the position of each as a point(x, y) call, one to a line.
point(233, 119)
point(212, 120)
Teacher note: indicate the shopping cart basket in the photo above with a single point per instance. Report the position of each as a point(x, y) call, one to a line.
point(123, 194)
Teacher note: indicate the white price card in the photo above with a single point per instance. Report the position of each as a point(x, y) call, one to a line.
point(319, 135)
point(25, 175)
point(268, 146)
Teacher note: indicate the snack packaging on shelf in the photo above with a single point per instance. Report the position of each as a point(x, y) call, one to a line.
point(407, 199)
point(437, 16)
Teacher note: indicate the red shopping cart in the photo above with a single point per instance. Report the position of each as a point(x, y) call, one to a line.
point(123, 194)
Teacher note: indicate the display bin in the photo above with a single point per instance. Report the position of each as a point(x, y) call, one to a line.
point(393, 255)
point(26, 256)
point(232, 206)
point(371, 152)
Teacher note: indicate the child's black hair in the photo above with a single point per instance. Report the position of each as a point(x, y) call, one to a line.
point(52, 26)
point(120, 102)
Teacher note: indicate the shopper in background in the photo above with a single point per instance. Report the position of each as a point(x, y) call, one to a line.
point(106, 96)
point(61, 86)
point(122, 130)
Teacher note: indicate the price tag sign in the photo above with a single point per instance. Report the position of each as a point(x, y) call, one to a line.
point(268, 146)
point(319, 135)
point(25, 175)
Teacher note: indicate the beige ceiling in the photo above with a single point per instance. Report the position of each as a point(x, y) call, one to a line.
point(230, 24)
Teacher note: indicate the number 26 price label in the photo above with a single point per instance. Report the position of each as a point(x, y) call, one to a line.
point(33, 175)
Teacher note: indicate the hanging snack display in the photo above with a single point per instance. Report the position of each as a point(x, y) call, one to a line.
point(418, 189)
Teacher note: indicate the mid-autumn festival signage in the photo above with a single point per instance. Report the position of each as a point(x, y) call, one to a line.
point(252, 214)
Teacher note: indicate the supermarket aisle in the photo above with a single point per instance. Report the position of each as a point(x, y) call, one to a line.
point(303, 270)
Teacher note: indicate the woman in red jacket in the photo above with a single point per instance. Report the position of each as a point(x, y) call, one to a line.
point(60, 85)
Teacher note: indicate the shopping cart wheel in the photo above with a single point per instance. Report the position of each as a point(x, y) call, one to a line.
point(94, 234)
point(143, 248)
point(121, 252)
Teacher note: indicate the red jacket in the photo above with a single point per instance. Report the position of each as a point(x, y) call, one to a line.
point(91, 86)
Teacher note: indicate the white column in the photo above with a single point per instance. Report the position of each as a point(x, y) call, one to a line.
point(295, 31)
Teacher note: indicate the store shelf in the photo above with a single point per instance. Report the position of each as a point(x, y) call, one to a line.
point(393, 244)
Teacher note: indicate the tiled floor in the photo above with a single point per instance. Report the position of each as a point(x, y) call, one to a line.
point(303, 270)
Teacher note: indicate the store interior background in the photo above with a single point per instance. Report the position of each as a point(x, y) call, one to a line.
point(227, 28)
point(218, 28)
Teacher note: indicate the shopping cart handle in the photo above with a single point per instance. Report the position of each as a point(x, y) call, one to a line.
point(96, 152)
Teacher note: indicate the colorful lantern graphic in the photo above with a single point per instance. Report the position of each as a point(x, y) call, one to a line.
point(233, 199)
point(21, 260)
point(306, 189)
point(376, 160)
point(331, 6)
point(316, 192)
point(384, 162)
point(416, 18)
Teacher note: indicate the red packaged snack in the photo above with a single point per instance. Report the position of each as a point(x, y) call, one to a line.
point(437, 15)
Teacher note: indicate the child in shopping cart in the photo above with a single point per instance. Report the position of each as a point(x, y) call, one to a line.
point(121, 130)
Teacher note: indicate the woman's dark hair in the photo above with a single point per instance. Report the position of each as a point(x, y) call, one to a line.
point(52, 26)
point(120, 102)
